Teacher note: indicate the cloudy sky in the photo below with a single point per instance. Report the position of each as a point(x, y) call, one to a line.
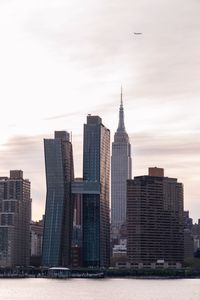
point(63, 59)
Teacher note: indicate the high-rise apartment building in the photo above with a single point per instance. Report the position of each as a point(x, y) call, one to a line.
point(58, 219)
point(155, 219)
point(15, 216)
point(121, 170)
point(96, 173)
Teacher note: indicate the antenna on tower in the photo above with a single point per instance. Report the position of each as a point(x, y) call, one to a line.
point(71, 136)
point(121, 96)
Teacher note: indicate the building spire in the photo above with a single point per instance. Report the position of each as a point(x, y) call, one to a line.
point(121, 126)
point(121, 96)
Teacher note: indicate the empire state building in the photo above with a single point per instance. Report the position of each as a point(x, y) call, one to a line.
point(121, 170)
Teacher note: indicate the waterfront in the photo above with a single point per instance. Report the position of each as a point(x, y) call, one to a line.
point(100, 289)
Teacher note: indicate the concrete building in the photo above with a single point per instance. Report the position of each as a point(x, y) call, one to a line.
point(188, 222)
point(189, 240)
point(96, 174)
point(195, 232)
point(36, 228)
point(188, 244)
point(15, 217)
point(155, 220)
point(121, 170)
point(36, 237)
point(78, 203)
point(76, 257)
point(58, 219)
point(77, 238)
point(121, 249)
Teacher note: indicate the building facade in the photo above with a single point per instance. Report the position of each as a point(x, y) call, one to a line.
point(189, 239)
point(36, 237)
point(121, 170)
point(15, 216)
point(58, 219)
point(155, 219)
point(96, 173)
point(36, 230)
point(195, 232)
point(77, 239)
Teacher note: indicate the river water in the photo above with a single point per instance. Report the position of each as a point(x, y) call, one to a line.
point(99, 289)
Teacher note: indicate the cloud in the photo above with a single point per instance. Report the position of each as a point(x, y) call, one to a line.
point(67, 115)
point(69, 58)
point(186, 145)
point(177, 153)
point(26, 153)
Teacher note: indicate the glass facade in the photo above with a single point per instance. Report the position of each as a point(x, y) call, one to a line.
point(58, 213)
point(96, 170)
point(91, 225)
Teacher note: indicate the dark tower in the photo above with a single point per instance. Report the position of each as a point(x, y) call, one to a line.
point(96, 172)
point(59, 205)
point(15, 217)
point(155, 219)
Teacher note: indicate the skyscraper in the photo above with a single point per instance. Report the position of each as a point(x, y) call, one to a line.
point(121, 170)
point(155, 219)
point(58, 220)
point(96, 172)
point(15, 217)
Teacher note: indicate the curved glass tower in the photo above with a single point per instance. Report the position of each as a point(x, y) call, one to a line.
point(59, 204)
point(121, 170)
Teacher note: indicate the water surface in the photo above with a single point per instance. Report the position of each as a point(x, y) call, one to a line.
point(99, 289)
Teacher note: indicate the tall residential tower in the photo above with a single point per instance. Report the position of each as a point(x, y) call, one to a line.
point(96, 173)
point(59, 205)
point(155, 220)
point(121, 170)
point(15, 217)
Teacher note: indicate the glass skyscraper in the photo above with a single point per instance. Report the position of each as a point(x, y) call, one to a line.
point(96, 173)
point(59, 205)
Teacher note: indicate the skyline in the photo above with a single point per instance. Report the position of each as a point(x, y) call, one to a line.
point(62, 60)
